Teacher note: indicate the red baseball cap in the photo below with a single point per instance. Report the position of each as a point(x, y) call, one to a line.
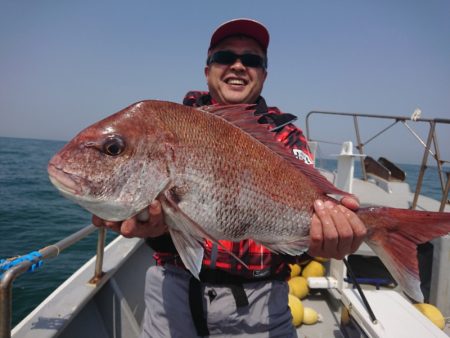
point(247, 27)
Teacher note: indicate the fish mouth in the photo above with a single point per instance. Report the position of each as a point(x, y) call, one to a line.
point(62, 180)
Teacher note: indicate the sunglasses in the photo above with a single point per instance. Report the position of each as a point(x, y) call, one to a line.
point(226, 57)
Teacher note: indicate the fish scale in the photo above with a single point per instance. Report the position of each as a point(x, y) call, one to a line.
point(235, 183)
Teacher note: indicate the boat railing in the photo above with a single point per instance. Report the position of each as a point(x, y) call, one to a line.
point(430, 146)
point(17, 266)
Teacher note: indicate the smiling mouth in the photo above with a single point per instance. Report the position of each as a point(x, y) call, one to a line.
point(236, 82)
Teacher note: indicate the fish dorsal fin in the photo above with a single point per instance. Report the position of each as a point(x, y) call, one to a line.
point(243, 116)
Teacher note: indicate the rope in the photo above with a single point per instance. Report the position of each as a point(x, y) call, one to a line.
point(35, 257)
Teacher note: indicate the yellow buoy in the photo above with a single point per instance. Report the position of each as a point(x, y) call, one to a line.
point(298, 286)
point(432, 313)
point(313, 269)
point(310, 316)
point(296, 307)
point(295, 269)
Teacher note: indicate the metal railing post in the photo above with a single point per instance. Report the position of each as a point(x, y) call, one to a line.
point(360, 147)
point(423, 166)
point(9, 276)
point(6, 284)
point(98, 274)
point(444, 199)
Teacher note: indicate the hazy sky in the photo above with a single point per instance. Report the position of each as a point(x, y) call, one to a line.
point(66, 64)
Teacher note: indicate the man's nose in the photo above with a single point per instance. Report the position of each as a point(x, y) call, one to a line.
point(237, 65)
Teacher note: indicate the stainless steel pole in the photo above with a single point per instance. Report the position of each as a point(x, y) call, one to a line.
point(10, 275)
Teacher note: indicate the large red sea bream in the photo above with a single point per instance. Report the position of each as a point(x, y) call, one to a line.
point(220, 175)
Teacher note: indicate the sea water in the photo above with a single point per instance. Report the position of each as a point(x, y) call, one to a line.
point(33, 215)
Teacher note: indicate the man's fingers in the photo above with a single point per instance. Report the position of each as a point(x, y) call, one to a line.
point(99, 222)
point(335, 231)
point(154, 208)
point(330, 234)
point(315, 237)
point(358, 228)
point(148, 223)
point(155, 212)
point(132, 228)
point(350, 202)
point(343, 229)
point(153, 226)
point(330, 238)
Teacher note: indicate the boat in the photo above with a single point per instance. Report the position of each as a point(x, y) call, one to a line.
point(104, 298)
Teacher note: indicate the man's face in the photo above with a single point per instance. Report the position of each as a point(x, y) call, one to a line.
point(236, 83)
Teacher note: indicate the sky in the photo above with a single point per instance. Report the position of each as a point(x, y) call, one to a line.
point(67, 64)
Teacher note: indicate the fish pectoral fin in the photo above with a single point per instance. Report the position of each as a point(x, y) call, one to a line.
point(176, 219)
point(190, 251)
point(186, 235)
point(294, 247)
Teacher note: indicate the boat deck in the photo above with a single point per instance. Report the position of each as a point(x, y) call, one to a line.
point(115, 307)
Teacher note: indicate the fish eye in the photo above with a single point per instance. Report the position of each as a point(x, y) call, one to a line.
point(113, 146)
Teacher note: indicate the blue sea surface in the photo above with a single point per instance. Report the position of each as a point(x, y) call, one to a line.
point(33, 215)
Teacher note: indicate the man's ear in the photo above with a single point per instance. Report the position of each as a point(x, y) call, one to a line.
point(207, 75)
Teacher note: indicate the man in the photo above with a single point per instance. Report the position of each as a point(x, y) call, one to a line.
point(232, 300)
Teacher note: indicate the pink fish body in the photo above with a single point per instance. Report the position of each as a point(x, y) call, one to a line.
point(220, 175)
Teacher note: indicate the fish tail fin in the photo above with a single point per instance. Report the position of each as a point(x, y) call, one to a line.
point(393, 234)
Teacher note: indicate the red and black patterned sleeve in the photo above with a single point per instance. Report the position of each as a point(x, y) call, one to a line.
point(289, 135)
point(197, 99)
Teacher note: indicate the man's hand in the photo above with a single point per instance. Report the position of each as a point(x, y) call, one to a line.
point(336, 230)
point(131, 227)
